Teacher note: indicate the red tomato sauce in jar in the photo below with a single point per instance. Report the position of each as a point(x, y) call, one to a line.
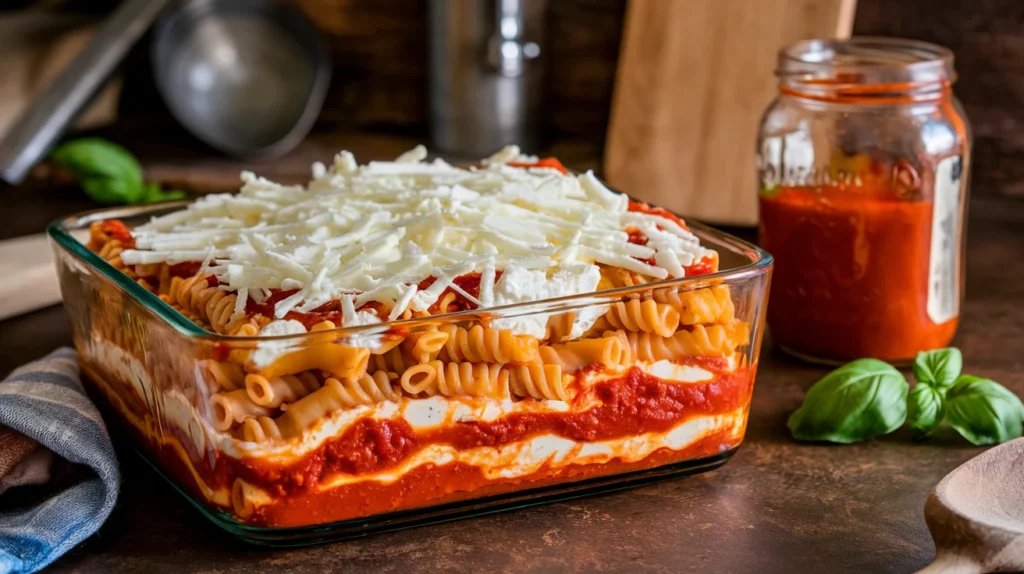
point(851, 273)
point(863, 187)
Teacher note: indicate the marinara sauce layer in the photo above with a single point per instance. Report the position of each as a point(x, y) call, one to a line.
point(431, 485)
point(634, 404)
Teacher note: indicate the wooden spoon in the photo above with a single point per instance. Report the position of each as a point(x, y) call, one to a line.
point(976, 514)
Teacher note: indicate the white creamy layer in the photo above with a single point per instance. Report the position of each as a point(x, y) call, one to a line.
point(420, 414)
point(507, 461)
point(530, 455)
point(125, 367)
point(519, 285)
point(166, 408)
point(269, 351)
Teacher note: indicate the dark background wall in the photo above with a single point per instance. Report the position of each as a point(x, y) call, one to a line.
point(987, 39)
point(380, 80)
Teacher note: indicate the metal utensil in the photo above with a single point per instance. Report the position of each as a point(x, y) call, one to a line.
point(247, 77)
point(39, 127)
point(485, 75)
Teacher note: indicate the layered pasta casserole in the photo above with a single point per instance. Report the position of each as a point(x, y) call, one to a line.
point(411, 333)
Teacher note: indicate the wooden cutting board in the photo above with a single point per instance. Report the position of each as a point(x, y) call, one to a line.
point(29, 275)
point(693, 79)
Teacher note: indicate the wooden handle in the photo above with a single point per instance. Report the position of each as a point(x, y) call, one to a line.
point(693, 79)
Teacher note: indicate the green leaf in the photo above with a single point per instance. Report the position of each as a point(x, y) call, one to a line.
point(153, 193)
point(983, 411)
point(107, 171)
point(938, 368)
point(925, 407)
point(855, 402)
point(769, 192)
point(98, 157)
point(111, 191)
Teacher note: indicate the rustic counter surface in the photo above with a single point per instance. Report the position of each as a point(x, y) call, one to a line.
point(777, 506)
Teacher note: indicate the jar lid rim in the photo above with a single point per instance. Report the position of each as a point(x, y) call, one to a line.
point(862, 52)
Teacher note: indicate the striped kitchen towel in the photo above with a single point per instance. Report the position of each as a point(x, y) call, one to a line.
point(44, 401)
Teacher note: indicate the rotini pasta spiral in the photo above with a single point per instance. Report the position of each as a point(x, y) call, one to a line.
point(333, 396)
point(156, 277)
point(701, 341)
point(259, 429)
point(249, 328)
point(395, 360)
point(447, 303)
point(538, 381)
point(277, 390)
point(195, 295)
point(612, 277)
point(365, 390)
point(483, 345)
point(111, 253)
point(647, 316)
point(457, 379)
point(709, 305)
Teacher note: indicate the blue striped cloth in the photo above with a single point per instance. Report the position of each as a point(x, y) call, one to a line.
point(45, 401)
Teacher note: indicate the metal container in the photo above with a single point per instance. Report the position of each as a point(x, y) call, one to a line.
point(247, 77)
point(485, 75)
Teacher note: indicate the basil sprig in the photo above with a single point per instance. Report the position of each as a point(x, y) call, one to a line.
point(938, 368)
point(855, 402)
point(109, 173)
point(868, 398)
point(926, 406)
point(983, 411)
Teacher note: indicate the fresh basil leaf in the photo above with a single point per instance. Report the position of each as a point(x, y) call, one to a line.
point(153, 193)
point(855, 402)
point(172, 195)
point(939, 368)
point(926, 406)
point(983, 411)
point(108, 172)
point(113, 191)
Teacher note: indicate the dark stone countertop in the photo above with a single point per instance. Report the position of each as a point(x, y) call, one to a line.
point(777, 506)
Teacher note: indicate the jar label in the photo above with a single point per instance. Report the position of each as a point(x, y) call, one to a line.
point(944, 264)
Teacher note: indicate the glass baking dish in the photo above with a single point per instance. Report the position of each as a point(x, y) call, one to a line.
point(159, 374)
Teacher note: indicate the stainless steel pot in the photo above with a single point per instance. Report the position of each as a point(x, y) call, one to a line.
point(485, 75)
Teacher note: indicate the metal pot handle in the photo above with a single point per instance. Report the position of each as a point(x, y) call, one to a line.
point(42, 124)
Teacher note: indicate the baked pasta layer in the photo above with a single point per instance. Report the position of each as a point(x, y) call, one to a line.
point(319, 426)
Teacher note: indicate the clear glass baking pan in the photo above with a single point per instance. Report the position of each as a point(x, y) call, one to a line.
point(672, 406)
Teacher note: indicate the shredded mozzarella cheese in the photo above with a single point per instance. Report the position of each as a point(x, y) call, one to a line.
point(372, 233)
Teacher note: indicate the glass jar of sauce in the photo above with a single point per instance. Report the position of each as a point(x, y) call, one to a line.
point(862, 161)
